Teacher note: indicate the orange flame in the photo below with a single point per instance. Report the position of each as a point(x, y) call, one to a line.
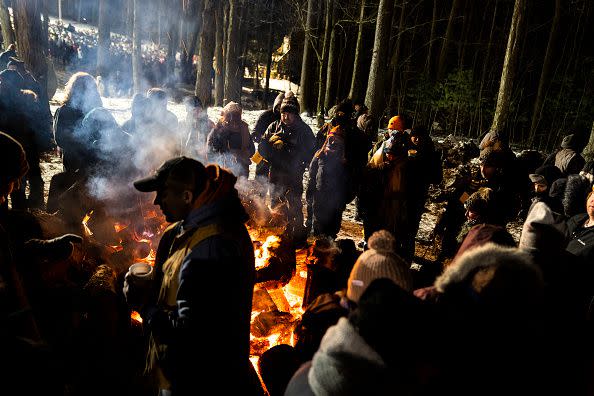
point(135, 316)
point(85, 220)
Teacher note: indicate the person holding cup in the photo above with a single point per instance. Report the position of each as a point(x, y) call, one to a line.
point(197, 303)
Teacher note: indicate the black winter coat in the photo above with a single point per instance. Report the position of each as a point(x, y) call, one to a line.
point(581, 243)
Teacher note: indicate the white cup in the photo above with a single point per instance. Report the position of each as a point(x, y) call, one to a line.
point(140, 273)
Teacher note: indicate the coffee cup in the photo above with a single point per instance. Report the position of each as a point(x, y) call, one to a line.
point(140, 273)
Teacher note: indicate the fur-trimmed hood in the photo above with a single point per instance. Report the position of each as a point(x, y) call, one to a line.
point(494, 275)
point(345, 364)
point(577, 189)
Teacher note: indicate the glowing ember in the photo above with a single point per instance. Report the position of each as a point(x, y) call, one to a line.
point(150, 259)
point(85, 220)
point(135, 316)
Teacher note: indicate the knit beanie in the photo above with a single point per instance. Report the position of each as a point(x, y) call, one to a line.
point(231, 107)
point(290, 103)
point(546, 174)
point(544, 230)
point(380, 261)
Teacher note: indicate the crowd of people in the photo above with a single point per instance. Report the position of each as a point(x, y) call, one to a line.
point(501, 317)
point(76, 50)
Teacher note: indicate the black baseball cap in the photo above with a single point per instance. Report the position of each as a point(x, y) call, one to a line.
point(181, 170)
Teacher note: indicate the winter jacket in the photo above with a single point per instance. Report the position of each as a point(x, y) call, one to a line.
point(264, 120)
point(231, 149)
point(67, 121)
point(567, 160)
point(288, 150)
point(327, 193)
point(212, 309)
point(581, 243)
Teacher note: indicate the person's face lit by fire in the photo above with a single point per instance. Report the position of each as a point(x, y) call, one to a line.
point(540, 188)
point(288, 118)
point(232, 120)
point(175, 201)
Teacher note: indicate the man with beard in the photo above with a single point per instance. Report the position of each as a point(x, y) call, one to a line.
point(288, 145)
point(206, 255)
point(264, 120)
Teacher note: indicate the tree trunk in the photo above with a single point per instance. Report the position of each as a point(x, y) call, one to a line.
point(447, 38)
point(545, 74)
point(307, 71)
point(233, 73)
point(375, 95)
point(137, 75)
point(428, 62)
point(29, 37)
point(219, 55)
point(269, 60)
point(130, 18)
point(104, 40)
point(356, 91)
point(396, 59)
point(509, 67)
point(45, 23)
point(172, 15)
point(329, 16)
point(207, 41)
point(7, 30)
point(332, 68)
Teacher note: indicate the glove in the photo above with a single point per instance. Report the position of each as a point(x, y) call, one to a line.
point(56, 249)
point(278, 145)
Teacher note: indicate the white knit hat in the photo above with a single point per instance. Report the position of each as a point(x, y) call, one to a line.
point(380, 261)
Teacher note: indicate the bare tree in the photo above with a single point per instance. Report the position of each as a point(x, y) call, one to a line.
point(233, 74)
point(509, 67)
point(446, 40)
point(329, 16)
point(137, 47)
point(356, 90)
point(29, 36)
point(104, 40)
point(219, 54)
point(306, 86)
point(545, 74)
point(207, 40)
point(7, 31)
point(375, 96)
point(332, 73)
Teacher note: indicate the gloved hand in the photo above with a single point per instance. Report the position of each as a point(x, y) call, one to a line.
point(56, 249)
point(278, 145)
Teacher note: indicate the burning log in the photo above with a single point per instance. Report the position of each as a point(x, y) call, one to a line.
point(275, 261)
point(267, 323)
